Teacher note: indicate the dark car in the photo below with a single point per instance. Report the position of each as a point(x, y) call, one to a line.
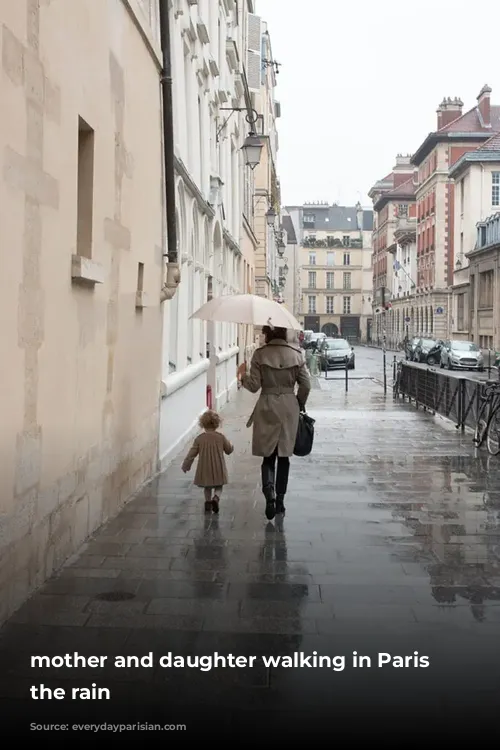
point(428, 351)
point(336, 353)
point(411, 345)
point(314, 341)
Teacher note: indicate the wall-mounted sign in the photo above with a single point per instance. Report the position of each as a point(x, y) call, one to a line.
point(439, 310)
point(407, 320)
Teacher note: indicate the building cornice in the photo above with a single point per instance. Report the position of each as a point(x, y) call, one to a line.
point(431, 180)
point(251, 234)
point(394, 198)
point(231, 242)
point(136, 13)
point(433, 139)
point(405, 236)
point(193, 188)
point(485, 250)
point(473, 157)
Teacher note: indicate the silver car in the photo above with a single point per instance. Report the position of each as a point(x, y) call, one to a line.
point(462, 355)
point(335, 353)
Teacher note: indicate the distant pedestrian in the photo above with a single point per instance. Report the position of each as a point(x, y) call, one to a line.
point(211, 471)
point(275, 369)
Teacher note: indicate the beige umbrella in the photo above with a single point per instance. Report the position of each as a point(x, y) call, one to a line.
point(247, 309)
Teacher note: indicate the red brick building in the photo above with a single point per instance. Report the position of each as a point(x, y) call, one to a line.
point(384, 226)
point(457, 133)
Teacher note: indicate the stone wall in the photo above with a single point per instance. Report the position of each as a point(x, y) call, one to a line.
point(80, 344)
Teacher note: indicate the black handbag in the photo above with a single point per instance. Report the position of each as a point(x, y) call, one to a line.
point(305, 435)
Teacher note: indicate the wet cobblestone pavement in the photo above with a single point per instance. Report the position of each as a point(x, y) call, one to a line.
point(391, 543)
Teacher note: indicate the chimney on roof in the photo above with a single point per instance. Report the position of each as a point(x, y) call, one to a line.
point(483, 104)
point(403, 160)
point(449, 110)
point(402, 171)
point(359, 216)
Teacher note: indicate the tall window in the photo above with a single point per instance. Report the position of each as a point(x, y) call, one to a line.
point(311, 304)
point(461, 312)
point(402, 210)
point(346, 240)
point(190, 322)
point(85, 191)
point(329, 305)
point(347, 259)
point(309, 219)
point(347, 280)
point(312, 280)
point(495, 188)
point(312, 259)
point(330, 280)
point(173, 314)
point(247, 194)
point(347, 306)
point(330, 259)
point(485, 297)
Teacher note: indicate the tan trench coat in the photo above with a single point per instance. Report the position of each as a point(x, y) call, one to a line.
point(276, 368)
point(210, 448)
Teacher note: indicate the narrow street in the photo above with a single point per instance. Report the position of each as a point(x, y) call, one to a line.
point(391, 543)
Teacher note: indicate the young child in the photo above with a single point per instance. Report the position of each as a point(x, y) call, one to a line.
point(210, 447)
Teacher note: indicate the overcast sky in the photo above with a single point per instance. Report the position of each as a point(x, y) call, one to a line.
point(361, 81)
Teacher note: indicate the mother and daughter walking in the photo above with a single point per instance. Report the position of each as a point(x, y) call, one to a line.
point(276, 368)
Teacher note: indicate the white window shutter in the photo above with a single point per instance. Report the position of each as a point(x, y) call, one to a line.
point(254, 54)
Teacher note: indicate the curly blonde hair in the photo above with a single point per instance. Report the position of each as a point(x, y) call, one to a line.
point(210, 420)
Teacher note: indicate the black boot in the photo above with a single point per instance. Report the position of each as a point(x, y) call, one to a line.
point(282, 483)
point(268, 491)
point(280, 504)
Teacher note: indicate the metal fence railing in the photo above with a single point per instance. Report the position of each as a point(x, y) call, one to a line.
point(456, 397)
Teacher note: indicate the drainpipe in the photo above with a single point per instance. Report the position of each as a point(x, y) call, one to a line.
point(173, 271)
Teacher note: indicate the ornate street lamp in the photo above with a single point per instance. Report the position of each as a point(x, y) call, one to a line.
point(271, 217)
point(252, 149)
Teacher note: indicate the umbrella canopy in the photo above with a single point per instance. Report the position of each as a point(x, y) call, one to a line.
point(247, 309)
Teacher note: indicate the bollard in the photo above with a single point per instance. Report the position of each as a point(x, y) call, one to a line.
point(314, 364)
point(385, 372)
point(346, 374)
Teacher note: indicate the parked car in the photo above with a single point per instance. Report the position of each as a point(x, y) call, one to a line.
point(428, 351)
point(335, 353)
point(410, 348)
point(462, 355)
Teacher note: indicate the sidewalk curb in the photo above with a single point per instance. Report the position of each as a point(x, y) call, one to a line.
point(380, 348)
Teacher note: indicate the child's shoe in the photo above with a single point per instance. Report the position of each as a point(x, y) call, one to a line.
point(208, 506)
point(215, 504)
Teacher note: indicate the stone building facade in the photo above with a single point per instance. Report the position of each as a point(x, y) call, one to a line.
point(475, 312)
point(81, 237)
point(219, 78)
point(335, 268)
point(385, 218)
point(394, 315)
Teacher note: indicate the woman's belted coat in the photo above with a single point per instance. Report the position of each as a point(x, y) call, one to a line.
point(275, 370)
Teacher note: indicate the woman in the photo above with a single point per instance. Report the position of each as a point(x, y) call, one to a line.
point(275, 369)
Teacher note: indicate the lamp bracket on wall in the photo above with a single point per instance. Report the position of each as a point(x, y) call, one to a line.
point(272, 64)
point(251, 117)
